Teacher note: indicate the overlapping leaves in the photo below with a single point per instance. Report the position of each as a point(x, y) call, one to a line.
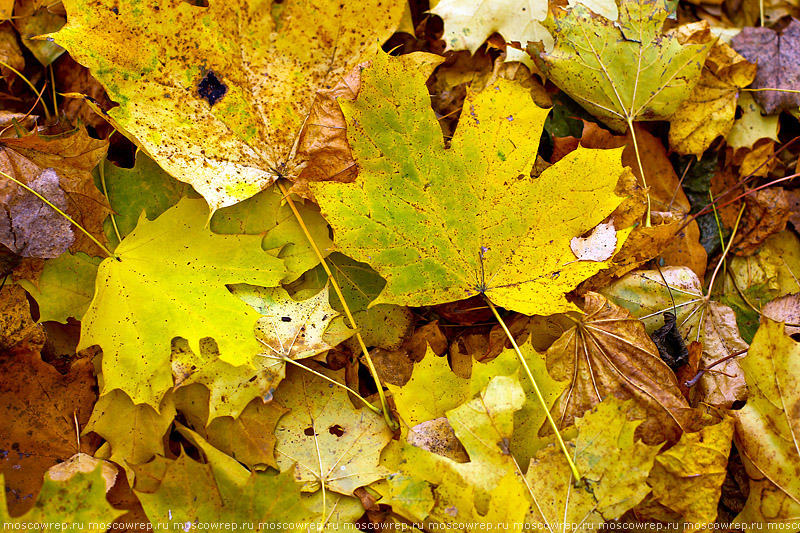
point(442, 225)
point(219, 104)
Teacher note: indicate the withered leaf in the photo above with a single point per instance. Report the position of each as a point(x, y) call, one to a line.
point(609, 352)
point(31, 228)
point(778, 56)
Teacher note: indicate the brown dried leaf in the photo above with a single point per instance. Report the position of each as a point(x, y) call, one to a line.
point(31, 228)
point(323, 139)
point(41, 403)
point(609, 352)
point(766, 213)
point(646, 295)
point(785, 309)
point(17, 328)
point(776, 53)
point(73, 155)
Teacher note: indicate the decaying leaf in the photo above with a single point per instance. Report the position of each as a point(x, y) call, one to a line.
point(39, 404)
point(785, 309)
point(220, 103)
point(609, 353)
point(767, 214)
point(18, 331)
point(767, 425)
point(324, 438)
point(776, 53)
point(31, 228)
point(613, 466)
point(646, 295)
point(620, 71)
point(408, 227)
point(709, 111)
point(72, 154)
point(179, 267)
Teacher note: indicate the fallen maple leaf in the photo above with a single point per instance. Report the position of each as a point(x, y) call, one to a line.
point(688, 477)
point(609, 353)
point(508, 237)
point(776, 53)
point(220, 103)
point(647, 295)
point(324, 438)
point(426, 485)
point(614, 469)
point(767, 425)
point(221, 490)
point(178, 266)
point(80, 499)
point(620, 71)
point(135, 433)
point(709, 111)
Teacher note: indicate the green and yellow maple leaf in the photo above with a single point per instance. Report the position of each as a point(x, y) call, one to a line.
point(220, 491)
point(425, 485)
point(79, 499)
point(134, 433)
point(613, 466)
point(65, 287)
point(217, 95)
point(621, 71)
point(169, 280)
point(443, 225)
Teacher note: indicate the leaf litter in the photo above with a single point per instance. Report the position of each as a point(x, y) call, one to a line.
point(443, 197)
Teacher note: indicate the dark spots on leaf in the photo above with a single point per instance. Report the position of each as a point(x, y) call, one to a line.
point(286, 319)
point(115, 10)
point(309, 432)
point(336, 429)
point(211, 89)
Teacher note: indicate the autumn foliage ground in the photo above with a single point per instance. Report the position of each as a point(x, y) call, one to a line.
point(464, 265)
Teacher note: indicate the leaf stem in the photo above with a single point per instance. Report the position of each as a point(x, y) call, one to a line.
point(771, 89)
point(725, 252)
point(647, 219)
point(539, 396)
point(60, 212)
point(387, 414)
point(326, 378)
